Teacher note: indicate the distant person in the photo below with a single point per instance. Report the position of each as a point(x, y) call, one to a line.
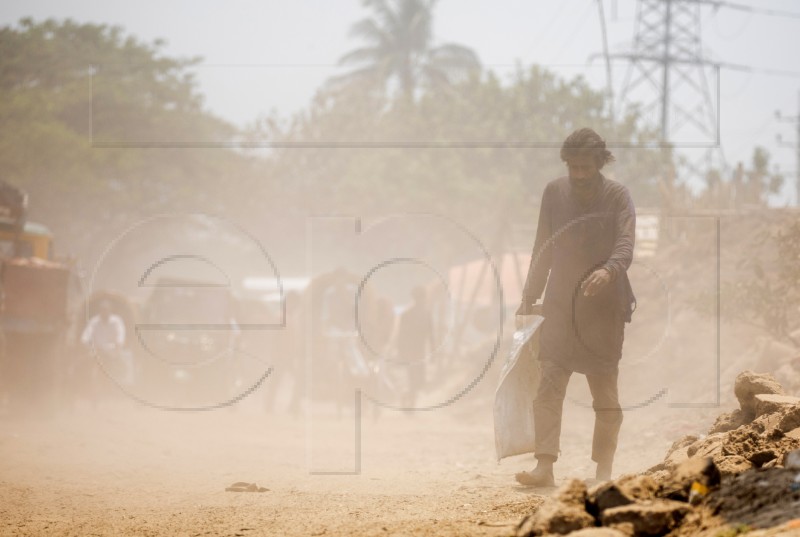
point(105, 330)
point(286, 353)
point(105, 333)
point(415, 343)
point(338, 311)
point(584, 242)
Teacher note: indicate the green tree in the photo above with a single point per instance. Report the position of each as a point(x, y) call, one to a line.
point(92, 123)
point(399, 49)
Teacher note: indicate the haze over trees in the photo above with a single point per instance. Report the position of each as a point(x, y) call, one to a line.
point(99, 126)
point(84, 112)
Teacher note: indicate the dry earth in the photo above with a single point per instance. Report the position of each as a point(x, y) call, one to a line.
point(127, 470)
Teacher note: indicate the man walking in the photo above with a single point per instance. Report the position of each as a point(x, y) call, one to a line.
point(584, 242)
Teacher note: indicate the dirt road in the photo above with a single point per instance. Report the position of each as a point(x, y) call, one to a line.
point(126, 470)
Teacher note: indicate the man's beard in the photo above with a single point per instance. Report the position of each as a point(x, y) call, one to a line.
point(584, 185)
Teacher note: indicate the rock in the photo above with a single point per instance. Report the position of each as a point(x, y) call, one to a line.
point(794, 433)
point(677, 453)
point(565, 513)
point(650, 518)
point(775, 435)
point(556, 517)
point(707, 447)
point(704, 471)
point(605, 496)
point(638, 487)
point(660, 467)
point(626, 528)
point(772, 403)
point(748, 385)
point(682, 443)
point(677, 457)
point(767, 421)
point(760, 458)
point(771, 464)
point(661, 476)
point(728, 422)
point(733, 465)
point(242, 486)
point(572, 493)
point(790, 421)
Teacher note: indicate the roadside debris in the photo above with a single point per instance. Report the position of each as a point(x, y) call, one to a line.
point(742, 477)
point(242, 486)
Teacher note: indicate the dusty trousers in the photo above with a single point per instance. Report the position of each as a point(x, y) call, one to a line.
point(548, 407)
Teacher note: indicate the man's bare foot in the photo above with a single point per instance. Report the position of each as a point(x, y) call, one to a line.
point(536, 478)
point(603, 472)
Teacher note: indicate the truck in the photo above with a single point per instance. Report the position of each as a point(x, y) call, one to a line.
point(36, 310)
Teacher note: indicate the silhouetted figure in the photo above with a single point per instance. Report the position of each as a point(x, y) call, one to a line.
point(415, 344)
point(584, 243)
point(104, 337)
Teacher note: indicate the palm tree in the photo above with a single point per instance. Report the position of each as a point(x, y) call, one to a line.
point(399, 48)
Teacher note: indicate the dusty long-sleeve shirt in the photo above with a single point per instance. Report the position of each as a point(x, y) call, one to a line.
point(574, 238)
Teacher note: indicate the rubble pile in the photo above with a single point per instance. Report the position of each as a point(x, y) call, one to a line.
point(743, 477)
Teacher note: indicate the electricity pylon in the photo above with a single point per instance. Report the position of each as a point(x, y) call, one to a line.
point(668, 77)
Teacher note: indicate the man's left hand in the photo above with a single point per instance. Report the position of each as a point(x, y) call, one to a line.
point(596, 281)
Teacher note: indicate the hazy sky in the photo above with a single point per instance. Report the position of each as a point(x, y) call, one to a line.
point(269, 54)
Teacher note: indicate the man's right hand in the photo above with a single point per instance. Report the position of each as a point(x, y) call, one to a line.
point(526, 310)
point(529, 309)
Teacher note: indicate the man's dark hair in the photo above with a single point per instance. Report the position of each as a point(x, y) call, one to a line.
point(586, 142)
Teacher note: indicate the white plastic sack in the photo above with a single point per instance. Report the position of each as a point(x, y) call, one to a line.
point(513, 400)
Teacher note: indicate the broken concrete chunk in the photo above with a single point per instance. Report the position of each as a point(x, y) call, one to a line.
point(556, 517)
point(680, 451)
point(562, 515)
point(605, 496)
point(704, 471)
point(771, 464)
point(638, 487)
point(748, 385)
point(676, 457)
point(650, 518)
point(624, 527)
point(573, 493)
point(682, 443)
point(733, 465)
point(760, 458)
point(772, 403)
point(707, 447)
point(766, 422)
point(661, 476)
point(790, 421)
point(728, 422)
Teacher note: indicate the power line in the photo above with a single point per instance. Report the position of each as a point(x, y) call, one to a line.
point(667, 71)
point(716, 4)
point(668, 57)
point(702, 62)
